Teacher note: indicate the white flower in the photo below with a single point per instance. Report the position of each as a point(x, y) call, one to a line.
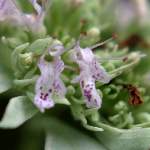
point(49, 83)
point(90, 71)
point(10, 11)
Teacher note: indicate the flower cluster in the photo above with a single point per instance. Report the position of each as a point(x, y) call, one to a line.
point(50, 83)
point(90, 71)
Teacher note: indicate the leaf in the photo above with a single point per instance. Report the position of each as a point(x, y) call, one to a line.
point(61, 136)
point(132, 139)
point(19, 110)
point(5, 80)
point(40, 45)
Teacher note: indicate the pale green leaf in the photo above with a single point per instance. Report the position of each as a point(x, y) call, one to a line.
point(5, 80)
point(61, 136)
point(132, 139)
point(40, 45)
point(19, 110)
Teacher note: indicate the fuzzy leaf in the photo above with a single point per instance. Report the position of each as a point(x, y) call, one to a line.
point(39, 46)
point(60, 136)
point(132, 139)
point(5, 80)
point(19, 110)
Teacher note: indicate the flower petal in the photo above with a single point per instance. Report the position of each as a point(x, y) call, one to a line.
point(92, 98)
point(10, 11)
point(56, 49)
point(43, 87)
point(43, 104)
point(87, 61)
point(98, 72)
point(36, 6)
point(83, 54)
point(58, 85)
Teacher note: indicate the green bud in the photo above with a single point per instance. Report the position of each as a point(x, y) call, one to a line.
point(110, 66)
point(70, 90)
point(93, 114)
point(111, 45)
point(26, 58)
point(11, 42)
point(93, 32)
point(56, 42)
point(121, 105)
point(107, 90)
point(14, 57)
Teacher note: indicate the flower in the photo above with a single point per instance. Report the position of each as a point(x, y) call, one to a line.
point(49, 83)
point(56, 49)
point(10, 11)
point(35, 21)
point(90, 71)
point(87, 84)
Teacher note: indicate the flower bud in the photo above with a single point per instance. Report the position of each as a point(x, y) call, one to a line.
point(70, 90)
point(93, 32)
point(12, 42)
point(136, 56)
point(26, 58)
point(121, 105)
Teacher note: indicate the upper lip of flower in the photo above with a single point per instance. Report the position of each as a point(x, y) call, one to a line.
point(56, 50)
